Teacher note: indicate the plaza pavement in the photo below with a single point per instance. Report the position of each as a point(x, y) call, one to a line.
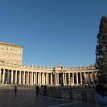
point(28, 98)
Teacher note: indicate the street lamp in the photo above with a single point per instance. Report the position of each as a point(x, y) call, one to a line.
point(62, 76)
point(53, 76)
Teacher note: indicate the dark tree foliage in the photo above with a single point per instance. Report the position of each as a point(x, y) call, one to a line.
point(101, 51)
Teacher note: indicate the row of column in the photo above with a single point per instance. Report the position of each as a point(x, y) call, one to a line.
point(76, 78)
point(23, 77)
point(40, 78)
point(82, 78)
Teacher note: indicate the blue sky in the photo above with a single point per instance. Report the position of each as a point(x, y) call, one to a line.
point(53, 31)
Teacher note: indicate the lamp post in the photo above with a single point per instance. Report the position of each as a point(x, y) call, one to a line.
point(62, 76)
point(53, 76)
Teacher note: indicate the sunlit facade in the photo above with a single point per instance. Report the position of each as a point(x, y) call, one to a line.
point(12, 71)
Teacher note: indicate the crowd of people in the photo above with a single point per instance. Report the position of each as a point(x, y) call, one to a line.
point(37, 89)
point(44, 89)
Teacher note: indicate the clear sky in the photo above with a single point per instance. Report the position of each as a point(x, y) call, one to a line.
point(53, 31)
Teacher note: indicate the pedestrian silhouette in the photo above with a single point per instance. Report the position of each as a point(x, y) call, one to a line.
point(15, 89)
point(37, 90)
point(45, 90)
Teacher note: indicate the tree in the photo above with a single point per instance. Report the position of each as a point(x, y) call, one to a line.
point(101, 51)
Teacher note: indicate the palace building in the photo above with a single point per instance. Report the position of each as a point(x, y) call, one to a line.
point(12, 71)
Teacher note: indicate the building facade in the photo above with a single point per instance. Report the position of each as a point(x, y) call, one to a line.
point(12, 71)
point(10, 54)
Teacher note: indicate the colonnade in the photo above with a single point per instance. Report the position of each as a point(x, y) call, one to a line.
point(77, 78)
point(23, 77)
point(32, 77)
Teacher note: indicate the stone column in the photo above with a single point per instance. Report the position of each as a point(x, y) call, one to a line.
point(65, 79)
point(24, 77)
point(81, 78)
point(15, 77)
point(51, 79)
point(84, 78)
point(36, 78)
point(6, 76)
point(72, 79)
point(77, 78)
point(42, 78)
point(88, 77)
point(58, 78)
point(0, 75)
point(47, 78)
point(69, 79)
point(26, 74)
point(3, 76)
point(11, 76)
point(62, 78)
point(39, 78)
point(32, 78)
point(28, 78)
point(19, 77)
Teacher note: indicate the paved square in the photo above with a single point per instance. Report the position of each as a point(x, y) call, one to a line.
point(28, 98)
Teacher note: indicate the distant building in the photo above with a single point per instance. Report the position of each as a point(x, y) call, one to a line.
point(10, 54)
point(12, 71)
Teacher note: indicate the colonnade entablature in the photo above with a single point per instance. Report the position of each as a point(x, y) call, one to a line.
point(46, 67)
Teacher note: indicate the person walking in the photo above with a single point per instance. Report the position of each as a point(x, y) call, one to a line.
point(45, 90)
point(15, 89)
point(37, 90)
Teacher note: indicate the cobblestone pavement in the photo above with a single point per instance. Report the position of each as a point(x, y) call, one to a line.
point(28, 98)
